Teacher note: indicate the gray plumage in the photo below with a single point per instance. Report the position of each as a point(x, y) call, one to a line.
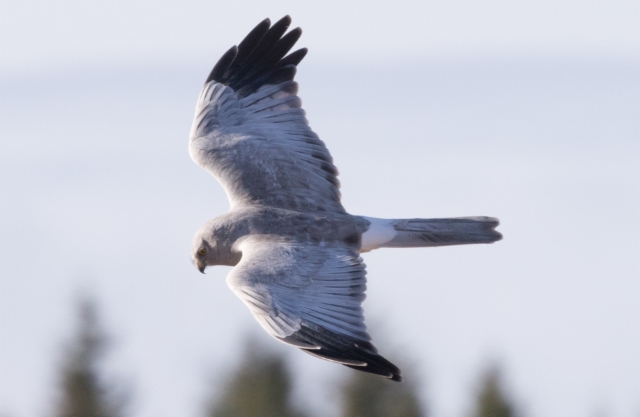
point(294, 248)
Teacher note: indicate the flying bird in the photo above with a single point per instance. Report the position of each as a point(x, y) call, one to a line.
point(294, 248)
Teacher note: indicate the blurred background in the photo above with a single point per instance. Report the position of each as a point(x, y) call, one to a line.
point(522, 110)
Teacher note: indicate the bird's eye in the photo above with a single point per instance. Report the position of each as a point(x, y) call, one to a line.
point(202, 251)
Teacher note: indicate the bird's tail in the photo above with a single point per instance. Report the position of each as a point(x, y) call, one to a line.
point(412, 233)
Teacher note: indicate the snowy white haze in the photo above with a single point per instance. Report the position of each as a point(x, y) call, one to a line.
point(522, 110)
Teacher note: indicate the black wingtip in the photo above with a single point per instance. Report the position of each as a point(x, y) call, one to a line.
point(263, 26)
point(381, 367)
point(260, 58)
point(293, 58)
point(353, 353)
point(285, 21)
point(223, 64)
point(397, 378)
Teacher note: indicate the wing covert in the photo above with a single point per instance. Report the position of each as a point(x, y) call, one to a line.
point(310, 297)
point(251, 133)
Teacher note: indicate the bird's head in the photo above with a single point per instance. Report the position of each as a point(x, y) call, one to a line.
point(204, 249)
point(203, 253)
point(213, 245)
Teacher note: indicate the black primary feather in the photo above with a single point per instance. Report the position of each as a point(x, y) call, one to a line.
point(260, 58)
point(345, 349)
point(250, 42)
point(223, 64)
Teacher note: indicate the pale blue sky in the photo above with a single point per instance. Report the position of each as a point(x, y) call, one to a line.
point(526, 111)
point(39, 36)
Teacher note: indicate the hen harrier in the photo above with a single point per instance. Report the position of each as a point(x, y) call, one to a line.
point(295, 249)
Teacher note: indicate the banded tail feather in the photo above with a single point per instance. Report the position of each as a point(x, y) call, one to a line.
point(414, 233)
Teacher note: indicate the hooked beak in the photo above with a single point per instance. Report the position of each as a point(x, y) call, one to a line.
point(200, 267)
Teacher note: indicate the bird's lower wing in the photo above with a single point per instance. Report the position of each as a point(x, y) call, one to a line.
point(310, 297)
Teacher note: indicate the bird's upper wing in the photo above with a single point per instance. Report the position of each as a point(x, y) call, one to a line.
point(310, 296)
point(251, 133)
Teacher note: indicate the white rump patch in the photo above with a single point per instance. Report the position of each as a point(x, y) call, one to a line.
point(380, 231)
